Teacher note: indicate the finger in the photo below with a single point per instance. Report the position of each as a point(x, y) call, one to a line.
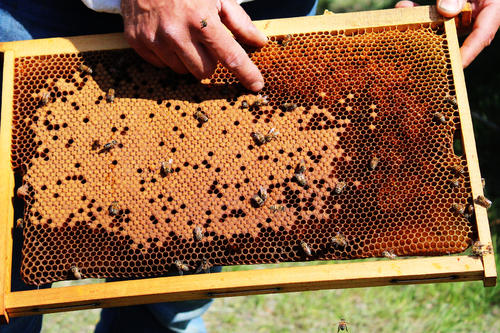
point(135, 40)
point(218, 40)
point(237, 20)
point(483, 32)
point(406, 4)
point(164, 51)
point(146, 53)
point(450, 8)
point(196, 58)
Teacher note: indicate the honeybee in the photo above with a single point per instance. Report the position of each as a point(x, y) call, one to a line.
point(19, 223)
point(454, 182)
point(339, 240)
point(85, 69)
point(108, 146)
point(261, 100)
point(166, 167)
point(286, 40)
point(262, 193)
point(204, 266)
point(198, 233)
point(244, 105)
point(95, 145)
point(373, 163)
point(203, 23)
point(458, 208)
point(260, 198)
point(452, 100)
point(114, 208)
point(201, 116)
point(389, 254)
point(339, 187)
point(305, 248)
point(288, 107)
point(488, 249)
point(22, 191)
point(259, 138)
point(182, 267)
point(300, 179)
point(458, 169)
point(301, 167)
point(277, 208)
point(479, 249)
point(110, 95)
point(44, 98)
point(342, 325)
point(440, 118)
point(76, 273)
point(469, 211)
point(483, 201)
point(257, 200)
point(271, 135)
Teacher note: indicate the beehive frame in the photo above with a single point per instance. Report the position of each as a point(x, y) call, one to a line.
point(345, 275)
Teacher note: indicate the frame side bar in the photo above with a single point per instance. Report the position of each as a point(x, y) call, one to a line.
point(344, 21)
point(6, 183)
point(239, 283)
point(469, 145)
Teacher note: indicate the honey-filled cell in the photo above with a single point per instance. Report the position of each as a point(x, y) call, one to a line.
point(347, 152)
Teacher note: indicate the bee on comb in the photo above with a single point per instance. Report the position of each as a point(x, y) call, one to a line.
point(85, 69)
point(305, 247)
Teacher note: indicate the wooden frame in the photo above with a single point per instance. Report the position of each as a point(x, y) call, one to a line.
point(345, 275)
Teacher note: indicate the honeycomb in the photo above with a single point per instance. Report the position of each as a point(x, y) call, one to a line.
point(133, 171)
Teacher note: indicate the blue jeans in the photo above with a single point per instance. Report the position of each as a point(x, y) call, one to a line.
point(28, 19)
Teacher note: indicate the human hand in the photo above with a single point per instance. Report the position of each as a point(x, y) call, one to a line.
point(486, 16)
point(191, 36)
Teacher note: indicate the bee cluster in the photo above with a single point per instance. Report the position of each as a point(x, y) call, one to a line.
point(129, 170)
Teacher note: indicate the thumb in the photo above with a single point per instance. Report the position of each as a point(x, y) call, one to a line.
point(450, 8)
point(240, 24)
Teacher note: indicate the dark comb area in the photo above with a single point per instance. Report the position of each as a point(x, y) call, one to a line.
point(133, 171)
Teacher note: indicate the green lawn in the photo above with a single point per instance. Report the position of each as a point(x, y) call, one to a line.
point(448, 307)
point(452, 307)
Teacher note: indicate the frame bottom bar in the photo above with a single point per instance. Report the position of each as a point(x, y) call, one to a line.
point(241, 283)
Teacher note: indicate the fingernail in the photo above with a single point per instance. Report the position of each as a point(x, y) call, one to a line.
point(450, 6)
point(257, 85)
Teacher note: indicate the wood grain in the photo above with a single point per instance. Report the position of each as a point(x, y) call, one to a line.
point(469, 146)
point(6, 182)
point(240, 283)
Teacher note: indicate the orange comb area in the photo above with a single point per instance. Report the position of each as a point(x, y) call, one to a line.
point(346, 153)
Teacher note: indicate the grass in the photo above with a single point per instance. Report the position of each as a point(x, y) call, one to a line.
point(452, 307)
point(71, 322)
point(447, 307)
